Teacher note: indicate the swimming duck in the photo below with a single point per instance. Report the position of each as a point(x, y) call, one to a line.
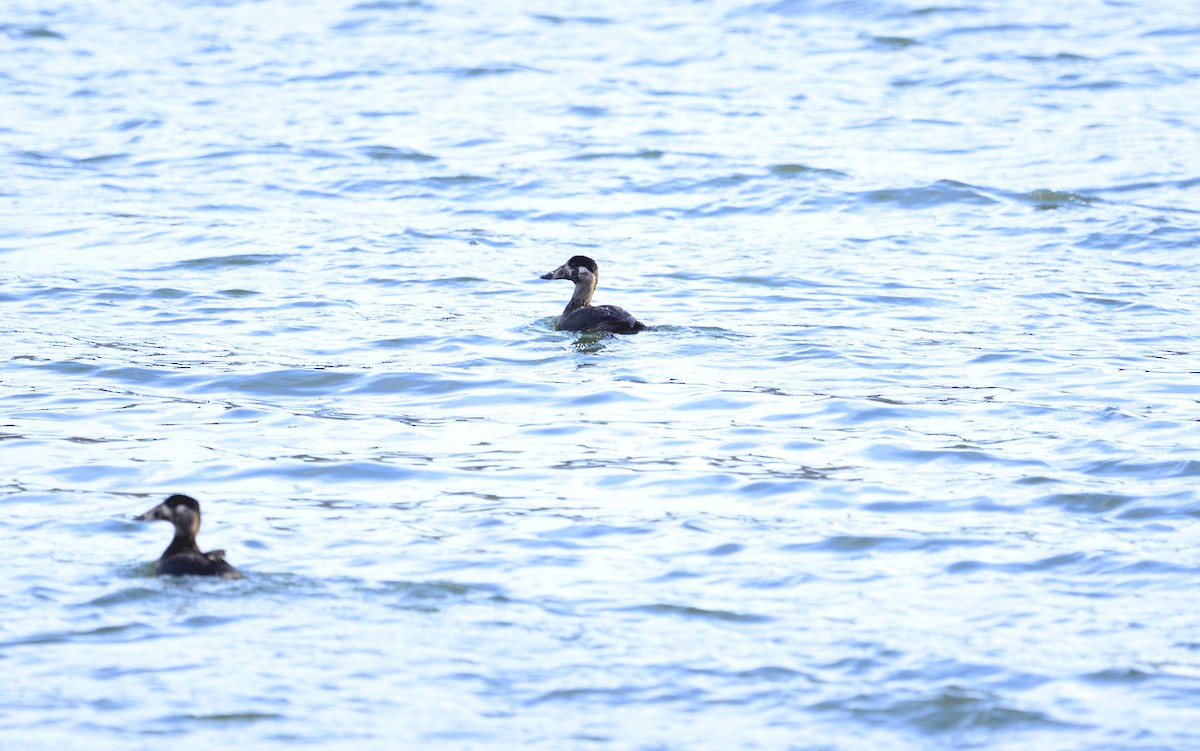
point(580, 314)
point(183, 557)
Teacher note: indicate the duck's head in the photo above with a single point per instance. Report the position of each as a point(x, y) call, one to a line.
point(579, 268)
point(181, 510)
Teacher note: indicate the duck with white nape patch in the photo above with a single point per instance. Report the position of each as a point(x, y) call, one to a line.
point(183, 557)
point(580, 315)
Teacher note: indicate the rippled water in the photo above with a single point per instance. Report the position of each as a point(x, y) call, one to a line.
point(908, 459)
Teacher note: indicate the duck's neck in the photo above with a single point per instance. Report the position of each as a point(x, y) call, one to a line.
point(183, 543)
point(582, 297)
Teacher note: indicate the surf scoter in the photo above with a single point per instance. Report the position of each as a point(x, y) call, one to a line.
point(580, 314)
point(183, 557)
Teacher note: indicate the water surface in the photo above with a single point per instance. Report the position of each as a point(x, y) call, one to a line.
point(908, 459)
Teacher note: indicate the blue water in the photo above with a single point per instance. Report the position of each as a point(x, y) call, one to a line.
point(908, 459)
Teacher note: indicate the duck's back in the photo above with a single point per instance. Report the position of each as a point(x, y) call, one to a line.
point(197, 564)
point(608, 318)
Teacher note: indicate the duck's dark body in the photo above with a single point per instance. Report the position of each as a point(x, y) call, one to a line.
point(183, 557)
point(580, 315)
point(195, 563)
point(600, 318)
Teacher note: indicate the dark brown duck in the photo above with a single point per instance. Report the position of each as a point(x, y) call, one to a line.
point(183, 557)
point(580, 314)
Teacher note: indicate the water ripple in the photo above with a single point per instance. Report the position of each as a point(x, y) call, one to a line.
point(905, 460)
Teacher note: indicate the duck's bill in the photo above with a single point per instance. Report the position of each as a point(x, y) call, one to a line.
point(562, 272)
point(158, 512)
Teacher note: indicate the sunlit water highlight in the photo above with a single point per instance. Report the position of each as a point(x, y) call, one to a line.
point(907, 460)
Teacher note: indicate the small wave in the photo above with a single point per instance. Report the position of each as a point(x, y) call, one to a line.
point(214, 263)
point(124, 596)
point(138, 123)
point(434, 384)
point(226, 207)
point(610, 396)
point(290, 382)
point(948, 709)
point(1118, 675)
point(20, 31)
point(1046, 200)
point(894, 42)
point(100, 160)
point(588, 111)
point(639, 154)
point(1104, 85)
point(481, 71)
point(593, 531)
point(955, 455)
point(686, 186)
point(221, 718)
point(688, 612)
point(206, 621)
point(392, 5)
point(558, 20)
point(392, 153)
point(337, 75)
point(941, 193)
point(1144, 470)
point(432, 595)
point(1086, 503)
point(141, 375)
point(803, 170)
point(1054, 562)
point(125, 632)
point(611, 696)
point(865, 544)
point(853, 8)
point(1001, 29)
point(1181, 505)
point(323, 469)
point(941, 10)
